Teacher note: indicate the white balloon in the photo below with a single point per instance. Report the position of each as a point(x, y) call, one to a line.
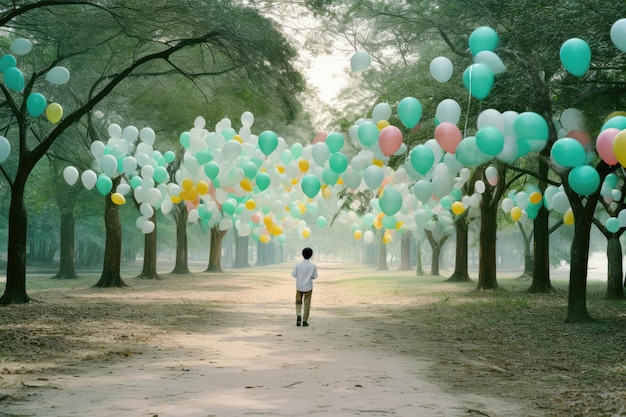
point(368, 236)
point(479, 186)
point(88, 178)
point(225, 224)
point(572, 119)
point(231, 150)
point(448, 110)
point(146, 210)
point(193, 216)
point(58, 75)
point(492, 60)
point(560, 202)
point(382, 111)
point(130, 134)
point(70, 175)
point(153, 196)
point(247, 119)
point(147, 227)
point(115, 131)
point(123, 188)
point(129, 165)
point(491, 118)
point(5, 149)
point(441, 69)
point(199, 122)
point(97, 149)
point(360, 61)
point(166, 206)
point(108, 163)
point(147, 171)
point(147, 135)
point(21, 46)
point(618, 35)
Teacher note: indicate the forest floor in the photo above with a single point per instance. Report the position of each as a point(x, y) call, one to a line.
point(380, 343)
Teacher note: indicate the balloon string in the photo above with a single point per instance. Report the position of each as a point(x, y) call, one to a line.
point(469, 102)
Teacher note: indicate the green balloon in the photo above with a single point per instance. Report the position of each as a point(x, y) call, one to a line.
point(390, 202)
point(338, 162)
point(575, 56)
point(483, 38)
point(335, 141)
point(185, 140)
point(262, 181)
point(104, 184)
point(367, 133)
point(584, 180)
point(211, 169)
point(410, 111)
point(310, 185)
point(422, 159)
point(330, 177)
point(478, 80)
point(268, 142)
point(36, 104)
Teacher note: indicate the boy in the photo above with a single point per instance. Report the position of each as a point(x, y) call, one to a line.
point(304, 272)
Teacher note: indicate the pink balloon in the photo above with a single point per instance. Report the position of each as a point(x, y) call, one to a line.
point(582, 137)
point(448, 136)
point(390, 140)
point(604, 145)
point(320, 136)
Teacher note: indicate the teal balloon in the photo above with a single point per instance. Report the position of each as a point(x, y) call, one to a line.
point(423, 190)
point(228, 207)
point(335, 142)
point(14, 79)
point(490, 140)
point(262, 181)
point(575, 56)
point(422, 159)
point(338, 162)
point(483, 38)
point(390, 202)
point(330, 177)
point(249, 169)
point(135, 182)
point(612, 224)
point(228, 133)
point(321, 221)
point(367, 133)
point(410, 112)
point(568, 152)
point(7, 61)
point(160, 174)
point(204, 156)
point(296, 150)
point(617, 122)
point(478, 80)
point(36, 104)
point(268, 142)
point(310, 185)
point(468, 153)
point(185, 140)
point(104, 184)
point(584, 180)
point(530, 126)
point(390, 222)
point(211, 169)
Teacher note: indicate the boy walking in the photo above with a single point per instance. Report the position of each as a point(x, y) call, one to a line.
point(304, 272)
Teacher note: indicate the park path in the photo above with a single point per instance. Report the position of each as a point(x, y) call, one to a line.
point(250, 359)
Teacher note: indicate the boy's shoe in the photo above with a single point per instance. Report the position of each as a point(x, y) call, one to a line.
point(305, 324)
point(299, 321)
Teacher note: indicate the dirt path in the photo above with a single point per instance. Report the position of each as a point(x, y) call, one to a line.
point(245, 356)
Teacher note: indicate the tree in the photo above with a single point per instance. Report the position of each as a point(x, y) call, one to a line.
point(265, 59)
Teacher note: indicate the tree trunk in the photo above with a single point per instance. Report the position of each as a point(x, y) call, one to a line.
point(614, 289)
point(382, 252)
point(405, 252)
point(67, 265)
point(15, 289)
point(419, 269)
point(111, 277)
point(149, 270)
point(241, 252)
point(461, 270)
point(528, 259)
point(215, 254)
point(182, 257)
point(579, 262)
point(487, 279)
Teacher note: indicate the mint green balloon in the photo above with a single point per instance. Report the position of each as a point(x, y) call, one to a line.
point(335, 142)
point(584, 180)
point(568, 152)
point(478, 80)
point(422, 159)
point(330, 177)
point(410, 112)
point(211, 169)
point(104, 184)
point(185, 140)
point(268, 142)
point(390, 222)
point(367, 133)
point(483, 38)
point(36, 104)
point(14, 79)
point(390, 202)
point(490, 140)
point(338, 162)
point(310, 185)
point(262, 181)
point(575, 56)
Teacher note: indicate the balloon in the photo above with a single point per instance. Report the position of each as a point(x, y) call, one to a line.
point(108, 163)
point(338, 162)
point(231, 150)
point(584, 180)
point(247, 119)
point(7, 61)
point(575, 56)
point(422, 190)
point(478, 80)
point(568, 152)
point(441, 69)
point(382, 111)
point(483, 38)
point(530, 126)
point(14, 79)
point(468, 153)
point(422, 159)
point(390, 140)
point(409, 111)
point(491, 173)
point(21, 46)
point(604, 145)
point(367, 133)
point(36, 104)
point(568, 217)
point(618, 34)
point(373, 176)
point(448, 136)
point(618, 122)
point(535, 197)
point(581, 137)
point(321, 221)
point(104, 184)
point(572, 119)
point(612, 224)
point(358, 234)
point(491, 118)
point(268, 142)
point(368, 237)
point(560, 202)
point(54, 112)
point(147, 227)
point(147, 135)
point(335, 142)
point(516, 213)
point(390, 201)
point(320, 153)
point(118, 199)
point(262, 181)
point(310, 185)
point(448, 110)
point(619, 147)
point(58, 75)
point(320, 136)
point(351, 179)
point(70, 175)
point(329, 177)
point(360, 61)
point(458, 208)
point(382, 124)
point(211, 169)
point(492, 60)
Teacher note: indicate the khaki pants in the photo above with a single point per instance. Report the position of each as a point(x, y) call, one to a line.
point(303, 298)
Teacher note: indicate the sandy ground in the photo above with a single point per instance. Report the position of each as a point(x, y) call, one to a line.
point(243, 355)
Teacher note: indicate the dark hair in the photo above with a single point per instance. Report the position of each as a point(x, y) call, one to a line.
point(307, 253)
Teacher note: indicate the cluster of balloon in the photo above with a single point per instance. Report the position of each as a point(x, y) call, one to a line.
point(36, 103)
point(128, 154)
point(523, 205)
point(611, 193)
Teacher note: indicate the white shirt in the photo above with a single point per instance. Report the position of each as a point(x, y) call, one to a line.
point(304, 272)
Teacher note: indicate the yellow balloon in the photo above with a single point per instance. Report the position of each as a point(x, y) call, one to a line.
point(619, 147)
point(187, 184)
point(535, 197)
point(387, 239)
point(250, 205)
point(175, 199)
point(238, 138)
point(246, 185)
point(326, 193)
point(303, 165)
point(306, 232)
point(378, 162)
point(280, 169)
point(202, 187)
point(458, 208)
point(568, 217)
point(516, 213)
point(358, 234)
point(265, 238)
point(54, 112)
point(399, 225)
point(275, 229)
point(267, 219)
point(382, 124)
point(118, 199)
point(302, 208)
